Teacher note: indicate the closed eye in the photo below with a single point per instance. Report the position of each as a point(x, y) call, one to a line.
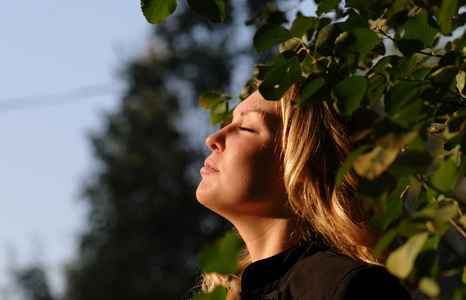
point(246, 129)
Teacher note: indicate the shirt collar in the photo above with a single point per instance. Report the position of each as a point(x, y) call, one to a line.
point(268, 270)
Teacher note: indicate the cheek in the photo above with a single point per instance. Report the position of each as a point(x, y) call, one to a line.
point(268, 175)
point(252, 184)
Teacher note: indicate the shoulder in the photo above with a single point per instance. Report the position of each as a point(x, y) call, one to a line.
point(326, 275)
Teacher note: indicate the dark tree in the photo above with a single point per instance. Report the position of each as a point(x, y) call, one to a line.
point(33, 283)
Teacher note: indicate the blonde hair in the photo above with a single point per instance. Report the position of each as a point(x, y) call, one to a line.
point(315, 142)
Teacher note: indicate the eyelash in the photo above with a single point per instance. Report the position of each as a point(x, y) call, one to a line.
point(245, 129)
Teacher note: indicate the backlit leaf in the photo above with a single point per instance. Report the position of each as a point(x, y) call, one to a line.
point(349, 163)
point(385, 241)
point(208, 99)
point(429, 286)
point(219, 112)
point(401, 261)
point(219, 293)
point(436, 215)
point(394, 207)
point(370, 165)
point(156, 11)
point(391, 135)
point(222, 256)
point(448, 9)
point(460, 81)
point(446, 176)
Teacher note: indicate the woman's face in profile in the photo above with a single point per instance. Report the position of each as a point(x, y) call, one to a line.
point(243, 175)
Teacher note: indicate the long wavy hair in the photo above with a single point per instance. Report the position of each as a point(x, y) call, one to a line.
point(315, 142)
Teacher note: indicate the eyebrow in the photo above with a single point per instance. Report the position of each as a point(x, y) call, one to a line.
point(245, 112)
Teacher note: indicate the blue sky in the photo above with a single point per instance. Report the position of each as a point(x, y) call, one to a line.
point(54, 54)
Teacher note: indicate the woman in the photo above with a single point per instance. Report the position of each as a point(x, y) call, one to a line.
point(271, 174)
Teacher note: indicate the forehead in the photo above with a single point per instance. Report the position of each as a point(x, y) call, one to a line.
point(256, 103)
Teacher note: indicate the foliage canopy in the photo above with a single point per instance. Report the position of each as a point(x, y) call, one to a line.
point(404, 58)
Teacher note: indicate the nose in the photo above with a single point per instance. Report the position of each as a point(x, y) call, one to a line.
point(216, 141)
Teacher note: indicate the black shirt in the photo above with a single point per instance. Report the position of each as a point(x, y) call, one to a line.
point(311, 272)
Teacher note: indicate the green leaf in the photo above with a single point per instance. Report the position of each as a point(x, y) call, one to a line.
point(370, 165)
point(293, 45)
point(311, 88)
point(462, 221)
point(374, 8)
point(280, 77)
point(420, 31)
point(401, 261)
point(314, 91)
point(354, 21)
point(307, 66)
point(460, 81)
point(375, 89)
point(385, 241)
point(348, 94)
point(325, 42)
point(445, 77)
point(420, 73)
point(301, 25)
point(429, 286)
point(156, 11)
point(373, 193)
point(446, 176)
point(436, 214)
point(401, 93)
point(214, 10)
point(394, 206)
point(219, 112)
point(411, 163)
point(365, 41)
point(391, 135)
point(384, 62)
point(270, 34)
point(413, 113)
point(219, 293)
point(462, 167)
point(448, 9)
point(208, 99)
point(222, 256)
point(352, 47)
point(349, 164)
point(327, 5)
point(402, 67)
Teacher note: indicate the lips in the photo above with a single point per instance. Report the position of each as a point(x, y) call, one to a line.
point(209, 167)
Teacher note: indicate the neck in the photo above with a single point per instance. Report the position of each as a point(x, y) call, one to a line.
point(266, 237)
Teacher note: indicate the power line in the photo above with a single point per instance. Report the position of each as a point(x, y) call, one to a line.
point(55, 99)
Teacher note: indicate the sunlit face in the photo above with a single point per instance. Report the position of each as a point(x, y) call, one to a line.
point(243, 175)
